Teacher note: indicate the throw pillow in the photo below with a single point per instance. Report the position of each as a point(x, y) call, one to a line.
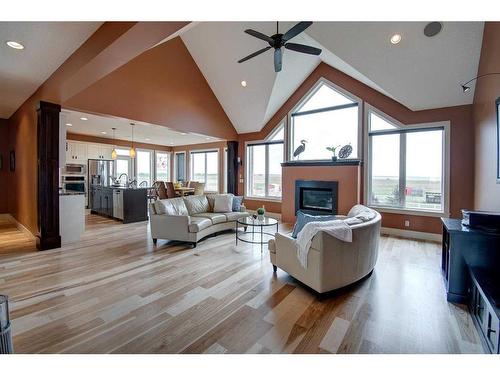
point(223, 203)
point(237, 203)
point(303, 219)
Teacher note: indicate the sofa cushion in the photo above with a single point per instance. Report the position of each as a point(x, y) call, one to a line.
point(237, 201)
point(223, 203)
point(197, 224)
point(196, 204)
point(233, 216)
point(211, 200)
point(173, 206)
point(303, 219)
point(214, 217)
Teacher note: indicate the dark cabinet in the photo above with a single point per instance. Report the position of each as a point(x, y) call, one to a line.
point(483, 309)
point(101, 200)
point(131, 207)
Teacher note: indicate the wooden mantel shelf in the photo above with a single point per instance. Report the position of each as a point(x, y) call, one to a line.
point(322, 163)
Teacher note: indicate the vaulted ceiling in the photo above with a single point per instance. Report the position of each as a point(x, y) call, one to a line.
point(419, 72)
point(47, 46)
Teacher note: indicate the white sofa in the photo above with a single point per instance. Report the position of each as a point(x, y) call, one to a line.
point(331, 263)
point(189, 219)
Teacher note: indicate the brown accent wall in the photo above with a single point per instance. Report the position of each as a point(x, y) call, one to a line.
point(349, 185)
point(22, 183)
point(202, 146)
point(4, 170)
point(461, 144)
point(487, 190)
point(117, 142)
point(162, 86)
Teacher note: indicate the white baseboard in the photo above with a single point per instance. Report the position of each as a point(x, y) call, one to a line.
point(270, 214)
point(411, 234)
point(19, 226)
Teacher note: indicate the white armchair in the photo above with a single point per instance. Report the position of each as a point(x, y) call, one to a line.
point(331, 263)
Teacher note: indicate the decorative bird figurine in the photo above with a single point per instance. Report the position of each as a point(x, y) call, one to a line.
point(299, 150)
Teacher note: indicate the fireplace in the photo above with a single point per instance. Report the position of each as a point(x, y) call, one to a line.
point(316, 197)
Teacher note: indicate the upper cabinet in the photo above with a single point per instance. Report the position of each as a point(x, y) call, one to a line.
point(99, 151)
point(76, 153)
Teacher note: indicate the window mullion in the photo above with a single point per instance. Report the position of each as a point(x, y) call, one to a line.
point(266, 173)
point(402, 170)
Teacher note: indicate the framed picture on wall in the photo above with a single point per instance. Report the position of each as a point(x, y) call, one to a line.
point(497, 105)
point(12, 161)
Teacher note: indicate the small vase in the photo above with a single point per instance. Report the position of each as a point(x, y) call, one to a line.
point(260, 217)
point(334, 158)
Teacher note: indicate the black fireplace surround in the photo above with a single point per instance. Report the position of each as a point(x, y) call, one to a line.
point(316, 197)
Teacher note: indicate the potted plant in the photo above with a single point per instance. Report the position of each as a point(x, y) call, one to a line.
point(333, 150)
point(260, 213)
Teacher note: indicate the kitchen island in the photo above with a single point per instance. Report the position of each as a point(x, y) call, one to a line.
point(122, 203)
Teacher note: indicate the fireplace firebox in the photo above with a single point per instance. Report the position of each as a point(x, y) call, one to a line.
point(316, 197)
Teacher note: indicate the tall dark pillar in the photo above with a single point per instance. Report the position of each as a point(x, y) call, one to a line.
point(48, 236)
point(232, 167)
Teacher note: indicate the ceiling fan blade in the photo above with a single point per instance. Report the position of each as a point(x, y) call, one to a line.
point(260, 35)
point(254, 54)
point(303, 48)
point(277, 60)
point(296, 30)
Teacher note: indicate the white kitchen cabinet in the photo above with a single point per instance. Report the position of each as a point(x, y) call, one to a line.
point(93, 151)
point(106, 151)
point(99, 151)
point(76, 153)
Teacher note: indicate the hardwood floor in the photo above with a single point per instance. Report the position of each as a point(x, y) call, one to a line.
point(115, 292)
point(12, 239)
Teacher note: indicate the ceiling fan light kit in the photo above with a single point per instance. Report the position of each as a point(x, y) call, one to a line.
point(277, 41)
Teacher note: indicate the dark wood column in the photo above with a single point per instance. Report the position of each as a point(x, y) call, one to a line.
point(48, 236)
point(232, 167)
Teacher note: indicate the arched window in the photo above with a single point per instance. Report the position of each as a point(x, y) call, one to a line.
point(326, 117)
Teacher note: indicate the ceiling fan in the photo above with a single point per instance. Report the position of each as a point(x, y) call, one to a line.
point(278, 40)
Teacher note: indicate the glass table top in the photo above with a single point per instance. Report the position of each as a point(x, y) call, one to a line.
point(249, 220)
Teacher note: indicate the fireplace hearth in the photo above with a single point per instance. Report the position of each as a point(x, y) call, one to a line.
point(316, 197)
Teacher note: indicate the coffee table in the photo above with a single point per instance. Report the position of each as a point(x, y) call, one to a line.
point(257, 226)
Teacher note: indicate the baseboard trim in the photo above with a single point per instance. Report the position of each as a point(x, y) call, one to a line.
point(270, 214)
point(18, 225)
point(434, 237)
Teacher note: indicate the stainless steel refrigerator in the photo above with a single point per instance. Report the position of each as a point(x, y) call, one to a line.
point(100, 173)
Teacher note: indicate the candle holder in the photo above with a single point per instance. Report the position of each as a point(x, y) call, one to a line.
point(5, 327)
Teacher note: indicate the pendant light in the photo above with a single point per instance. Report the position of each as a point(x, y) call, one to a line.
point(114, 155)
point(132, 149)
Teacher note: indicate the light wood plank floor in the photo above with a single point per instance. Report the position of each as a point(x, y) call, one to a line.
point(13, 240)
point(115, 292)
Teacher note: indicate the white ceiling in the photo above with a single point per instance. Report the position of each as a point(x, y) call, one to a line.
point(47, 46)
point(143, 132)
point(419, 72)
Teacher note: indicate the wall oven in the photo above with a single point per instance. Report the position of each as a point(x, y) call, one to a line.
point(75, 169)
point(74, 183)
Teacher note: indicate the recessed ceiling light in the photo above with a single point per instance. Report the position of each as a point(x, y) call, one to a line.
point(396, 38)
point(103, 132)
point(69, 124)
point(83, 118)
point(183, 133)
point(244, 83)
point(15, 45)
point(208, 138)
point(148, 139)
